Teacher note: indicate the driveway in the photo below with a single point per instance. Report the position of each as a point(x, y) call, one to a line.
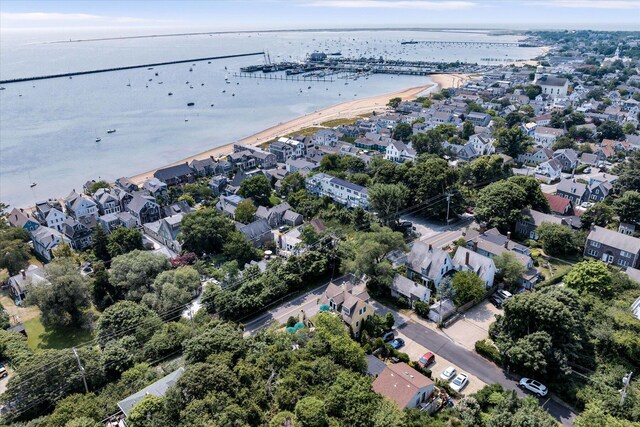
point(473, 325)
point(437, 233)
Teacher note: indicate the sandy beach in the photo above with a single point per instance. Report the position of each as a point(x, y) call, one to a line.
point(344, 110)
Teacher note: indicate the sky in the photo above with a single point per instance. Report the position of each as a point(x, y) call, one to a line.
point(228, 15)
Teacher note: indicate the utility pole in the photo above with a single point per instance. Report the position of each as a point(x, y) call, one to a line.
point(448, 204)
point(84, 379)
point(626, 380)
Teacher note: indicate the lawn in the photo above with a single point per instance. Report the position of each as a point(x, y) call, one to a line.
point(338, 122)
point(41, 338)
point(306, 132)
point(551, 268)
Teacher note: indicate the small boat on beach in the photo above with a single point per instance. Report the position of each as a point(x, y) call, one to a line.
point(170, 93)
point(111, 130)
point(33, 184)
point(98, 139)
point(190, 104)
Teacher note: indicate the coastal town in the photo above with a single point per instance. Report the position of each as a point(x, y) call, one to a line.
point(464, 254)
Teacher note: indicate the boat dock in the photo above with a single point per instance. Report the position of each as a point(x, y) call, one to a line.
point(467, 44)
point(129, 67)
point(289, 77)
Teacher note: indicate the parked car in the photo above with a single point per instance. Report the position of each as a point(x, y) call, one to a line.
point(388, 336)
point(497, 302)
point(283, 228)
point(460, 382)
point(503, 295)
point(397, 343)
point(427, 359)
point(534, 386)
point(3, 371)
point(448, 373)
point(406, 224)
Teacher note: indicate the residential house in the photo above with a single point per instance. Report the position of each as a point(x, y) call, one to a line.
point(328, 137)
point(559, 205)
point(109, 222)
point(626, 228)
point(218, 184)
point(174, 175)
point(242, 160)
point(126, 184)
point(590, 159)
point(156, 188)
point(427, 265)
point(176, 208)
point(77, 233)
point(107, 203)
point(127, 220)
point(19, 219)
point(482, 266)
point(49, 214)
point(536, 156)
point(339, 190)
point(532, 219)
point(399, 152)
point(482, 144)
point(144, 209)
point(300, 165)
point(79, 206)
point(290, 243)
point(478, 119)
point(46, 239)
point(228, 204)
point(158, 388)
point(403, 385)
point(165, 231)
point(546, 136)
point(275, 216)
point(258, 232)
point(407, 288)
point(204, 167)
point(281, 150)
point(568, 158)
point(551, 85)
point(551, 168)
point(573, 190)
point(599, 191)
point(19, 284)
point(612, 247)
point(264, 159)
point(351, 302)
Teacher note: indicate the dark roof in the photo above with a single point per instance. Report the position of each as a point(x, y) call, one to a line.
point(173, 172)
point(375, 366)
point(551, 81)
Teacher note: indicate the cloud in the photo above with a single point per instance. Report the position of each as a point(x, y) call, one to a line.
point(42, 19)
point(393, 4)
point(592, 4)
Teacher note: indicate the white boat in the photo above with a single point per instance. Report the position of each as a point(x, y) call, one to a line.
point(98, 139)
point(111, 130)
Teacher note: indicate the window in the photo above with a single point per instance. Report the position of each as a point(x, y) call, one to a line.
point(623, 262)
point(595, 244)
point(626, 254)
point(592, 252)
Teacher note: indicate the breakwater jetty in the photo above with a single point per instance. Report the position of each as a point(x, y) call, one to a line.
point(128, 67)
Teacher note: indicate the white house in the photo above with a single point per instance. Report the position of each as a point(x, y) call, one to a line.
point(546, 136)
point(467, 260)
point(428, 265)
point(80, 206)
point(326, 137)
point(482, 144)
point(551, 168)
point(49, 215)
point(399, 152)
point(45, 239)
point(407, 288)
point(536, 156)
point(552, 86)
point(339, 190)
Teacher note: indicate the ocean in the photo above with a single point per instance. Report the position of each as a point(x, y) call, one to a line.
point(48, 128)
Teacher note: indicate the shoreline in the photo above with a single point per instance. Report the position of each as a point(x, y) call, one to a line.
point(348, 109)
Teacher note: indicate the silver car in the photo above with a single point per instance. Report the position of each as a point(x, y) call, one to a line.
point(448, 373)
point(534, 386)
point(460, 382)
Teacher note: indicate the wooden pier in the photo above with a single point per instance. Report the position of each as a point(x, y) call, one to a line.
point(129, 67)
point(463, 43)
point(292, 77)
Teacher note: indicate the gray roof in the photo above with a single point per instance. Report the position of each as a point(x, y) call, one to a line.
point(173, 172)
point(138, 202)
point(480, 264)
point(615, 240)
point(572, 186)
point(569, 153)
point(158, 388)
point(633, 273)
point(426, 259)
point(33, 275)
point(375, 366)
point(551, 81)
point(538, 218)
point(256, 229)
point(408, 287)
point(589, 159)
point(291, 216)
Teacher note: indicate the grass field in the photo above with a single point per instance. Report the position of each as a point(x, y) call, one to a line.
point(338, 122)
point(41, 338)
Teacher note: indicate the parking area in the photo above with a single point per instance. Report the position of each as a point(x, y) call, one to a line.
point(473, 325)
point(415, 351)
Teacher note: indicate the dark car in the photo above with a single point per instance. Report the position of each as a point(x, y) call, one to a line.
point(497, 302)
point(397, 343)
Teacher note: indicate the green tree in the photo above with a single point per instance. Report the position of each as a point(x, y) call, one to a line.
point(292, 183)
point(124, 240)
point(257, 188)
point(98, 185)
point(590, 276)
point(147, 413)
point(239, 248)
point(75, 406)
point(509, 267)
point(310, 412)
point(205, 231)
point(132, 274)
point(172, 289)
point(627, 207)
point(429, 142)
point(221, 337)
point(467, 287)
point(531, 354)
point(388, 415)
point(430, 179)
point(65, 298)
point(100, 243)
point(532, 91)
point(187, 198)
point(628, 173)
point(368, 249)
point(513, 141)
point(119, 355)
point(599, 214)
point(468, 129)
point(83, 422)
point(500, 204)
point(556, 239)
point(629, 129)
point(126, 318)
point(402, 132)
point(610, 130)
point(563, 142)
point(245, 212)
point(14, 250)
point(535, 198)
point(394, 102)
point(102, 291)
point(387, 200)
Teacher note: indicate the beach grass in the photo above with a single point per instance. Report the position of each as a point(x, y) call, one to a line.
point(305, 132)
point(339, 122)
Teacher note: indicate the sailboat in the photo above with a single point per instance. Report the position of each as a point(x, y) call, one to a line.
point(33, 183)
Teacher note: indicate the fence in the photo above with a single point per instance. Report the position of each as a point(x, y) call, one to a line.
point(453, 317)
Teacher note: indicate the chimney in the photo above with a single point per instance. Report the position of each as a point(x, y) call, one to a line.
point(475, 248)
point(466, 258)
point(506, 242)
point(430, 247)
point(24, 275)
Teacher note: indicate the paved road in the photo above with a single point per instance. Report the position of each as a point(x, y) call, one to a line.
point(471, 362)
